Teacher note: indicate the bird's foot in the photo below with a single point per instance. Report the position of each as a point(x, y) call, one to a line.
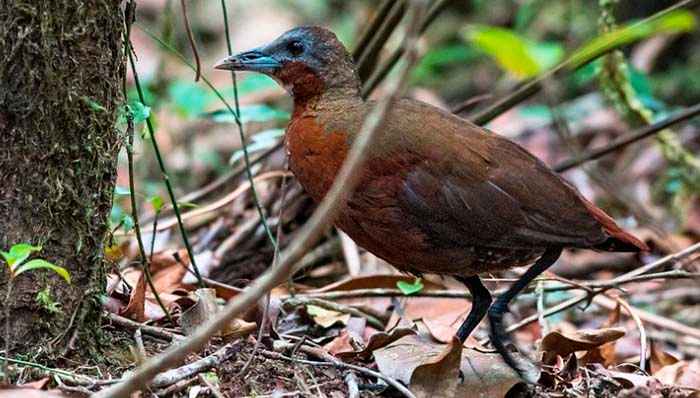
point(528, 371)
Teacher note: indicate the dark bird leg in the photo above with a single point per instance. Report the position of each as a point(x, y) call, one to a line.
point(481, 301)
point(499, 337)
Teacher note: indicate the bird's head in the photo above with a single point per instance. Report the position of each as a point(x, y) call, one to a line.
point(307, 61)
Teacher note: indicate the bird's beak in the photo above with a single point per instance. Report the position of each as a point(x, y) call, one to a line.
point(253, 60)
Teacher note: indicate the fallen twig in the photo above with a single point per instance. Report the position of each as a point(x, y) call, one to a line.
point(652, 319)
point(642, 332)
point(330, 360)
point(337, 307)
point(148, 329)
point(353, 387)
point(184, 372)
point(212, 388)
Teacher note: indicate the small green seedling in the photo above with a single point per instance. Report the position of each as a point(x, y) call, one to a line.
point(20, 252)
point(47, 302)
point(410, 288)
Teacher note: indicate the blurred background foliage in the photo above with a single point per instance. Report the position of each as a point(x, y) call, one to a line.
point(476, 49)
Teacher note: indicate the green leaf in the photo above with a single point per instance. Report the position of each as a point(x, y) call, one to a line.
point(43, 264)
point(139, 111)
point(677, 21)
point(156, 202)
point(189, 98)
point(121, 191)
point(127, 223)
point(249, 113)
point(518, 55)
point(439, 58)
point(212, 377)
point(18, 254)
point(410, 288)
point(187, 205)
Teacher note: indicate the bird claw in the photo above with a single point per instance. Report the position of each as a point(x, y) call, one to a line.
point(522, 366)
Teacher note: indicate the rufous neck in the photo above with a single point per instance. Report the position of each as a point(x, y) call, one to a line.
point(331, 96)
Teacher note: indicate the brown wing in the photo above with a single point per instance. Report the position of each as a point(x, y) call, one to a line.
point(476, 188)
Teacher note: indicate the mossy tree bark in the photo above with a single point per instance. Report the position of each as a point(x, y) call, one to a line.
point(60, 87)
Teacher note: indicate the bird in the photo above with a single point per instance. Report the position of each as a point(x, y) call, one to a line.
point(437, 193)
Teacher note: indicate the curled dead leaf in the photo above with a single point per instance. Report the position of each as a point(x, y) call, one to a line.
point(562, 344)
point(135, 310)
point(204, 308)
point(681, 374)
point(430, 369)
point(376, 341)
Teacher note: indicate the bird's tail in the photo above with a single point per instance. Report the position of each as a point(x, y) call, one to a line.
point(618, 240)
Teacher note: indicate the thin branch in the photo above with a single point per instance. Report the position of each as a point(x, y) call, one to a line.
point(275, 258)
point(186, 371)
point(337, 307)
point(163, 171)
point(145, 263)
point(190, 38)
point(345, 182)
point(246, 156)
point(642, 333)
point(221, 181)
point(379, 75)
point(671, 258)
point(367, 60)
point(371, 30)
point(236, 116)
point(154, 331)
point(624, 140)
point(652, 319)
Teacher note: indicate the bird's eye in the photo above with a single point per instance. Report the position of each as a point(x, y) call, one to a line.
point(295, 48)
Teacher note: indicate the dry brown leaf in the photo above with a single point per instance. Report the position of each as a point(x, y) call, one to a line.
point(169, 279)
point(325, 317)
point(238, 328)
point(340, 344)
point(444, 327)
point(438, 377)
point(37, 384)
point(166, 259)
point(605, 355)
point(377, 341)
point(432, 310)
point(203, 309)
point(660, 358)
point(562, 344)
point(681, 374)
point(28, 393)
point(136, 308)
point(485, 374)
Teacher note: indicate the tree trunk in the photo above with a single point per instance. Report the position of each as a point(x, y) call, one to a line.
point(61, 77)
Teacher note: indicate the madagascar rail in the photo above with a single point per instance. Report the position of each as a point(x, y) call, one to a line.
point(438, 194)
